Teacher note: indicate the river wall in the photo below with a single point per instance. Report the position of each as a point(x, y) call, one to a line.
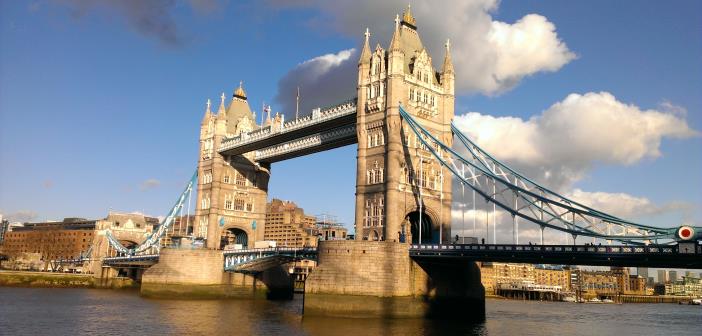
point(61, 280)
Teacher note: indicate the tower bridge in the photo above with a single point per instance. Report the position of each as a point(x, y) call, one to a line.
point(402, 262)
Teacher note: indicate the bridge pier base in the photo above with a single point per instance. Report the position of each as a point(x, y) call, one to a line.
point(379, 279)
point(200, 274)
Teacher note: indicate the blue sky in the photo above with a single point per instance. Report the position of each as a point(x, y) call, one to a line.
point(100, 105)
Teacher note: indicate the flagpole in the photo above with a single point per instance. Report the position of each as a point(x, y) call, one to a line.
point(297, 103)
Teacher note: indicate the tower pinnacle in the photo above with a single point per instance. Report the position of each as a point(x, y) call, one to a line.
point(408, 19)
point(365, 53)
point(448, 63)
point(239, 92)
point(395, 41)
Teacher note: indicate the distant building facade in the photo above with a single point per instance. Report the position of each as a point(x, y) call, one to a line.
point(288, 225)
point(67, 239)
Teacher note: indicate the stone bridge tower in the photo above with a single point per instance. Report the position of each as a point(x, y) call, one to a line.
point(231, 190)
point(396, 175)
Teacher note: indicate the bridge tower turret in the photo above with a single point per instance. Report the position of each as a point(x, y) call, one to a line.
point(232, 190)
point(399, 184)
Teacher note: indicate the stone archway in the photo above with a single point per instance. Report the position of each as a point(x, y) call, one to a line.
point(429, 234)
point(375, 236)
point(233, 236)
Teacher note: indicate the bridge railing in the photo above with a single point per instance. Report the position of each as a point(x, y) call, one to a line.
point(270, 249)
point(318, 116)
point(663, 249)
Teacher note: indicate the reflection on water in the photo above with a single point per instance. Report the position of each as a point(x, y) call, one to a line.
point(38, 311)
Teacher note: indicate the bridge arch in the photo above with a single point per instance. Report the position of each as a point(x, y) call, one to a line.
point(430, 223)
point(233, 235)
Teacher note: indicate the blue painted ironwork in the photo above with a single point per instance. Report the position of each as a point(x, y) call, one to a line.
point(153, 238)
point(132, 260)
point(540, 205)
point(257, 260)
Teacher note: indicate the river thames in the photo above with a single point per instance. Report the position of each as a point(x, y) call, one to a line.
point(40, 311)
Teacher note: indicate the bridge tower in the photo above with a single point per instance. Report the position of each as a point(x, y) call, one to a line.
point(231, 190)
point(397, 179)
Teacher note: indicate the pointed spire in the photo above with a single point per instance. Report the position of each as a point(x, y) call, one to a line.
point(448, 64)
point(395, 41)
point(208, 113)
point(365, 53)
point(221, 113)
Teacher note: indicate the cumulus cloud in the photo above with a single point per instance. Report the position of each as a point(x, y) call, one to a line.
point(153, 18)
point(323, 79)
point(149, 184)
point(624, 205)
point(562, 144)
point(489, 56)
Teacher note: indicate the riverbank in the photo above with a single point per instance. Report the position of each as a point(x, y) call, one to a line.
point(61, 280)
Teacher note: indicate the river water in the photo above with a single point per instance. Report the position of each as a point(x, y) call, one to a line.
point(43, 311)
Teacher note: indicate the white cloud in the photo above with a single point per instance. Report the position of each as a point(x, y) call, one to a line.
point(561, 145)
point(489, 56)
point(624, 205)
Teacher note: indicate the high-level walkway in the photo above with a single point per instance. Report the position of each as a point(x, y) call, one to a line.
point(321, 130)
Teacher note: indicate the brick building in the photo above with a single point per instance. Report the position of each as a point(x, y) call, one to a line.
point(67, 239)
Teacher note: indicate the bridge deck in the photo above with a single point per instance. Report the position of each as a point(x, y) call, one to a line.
point(666, 256)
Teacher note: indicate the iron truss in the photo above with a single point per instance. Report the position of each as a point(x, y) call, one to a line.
point(257, 260)
point(151, 244)
point(525, 199)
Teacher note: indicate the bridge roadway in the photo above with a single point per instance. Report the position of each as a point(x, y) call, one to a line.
point(663, 256)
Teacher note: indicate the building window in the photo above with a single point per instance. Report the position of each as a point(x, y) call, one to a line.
point(207, 177)
point(228, 204)
point(239, 204)
point(374, 212)
point(240, 179)
point(411, 94)
point(226, 178)
point(375, 174)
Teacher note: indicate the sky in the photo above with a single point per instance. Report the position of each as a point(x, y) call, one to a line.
point(101, 101)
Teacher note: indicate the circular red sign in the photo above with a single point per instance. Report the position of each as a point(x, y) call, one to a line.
point(685, 233)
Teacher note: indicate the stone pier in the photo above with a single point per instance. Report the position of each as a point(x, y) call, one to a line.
point(200, 274)
point(379, 279)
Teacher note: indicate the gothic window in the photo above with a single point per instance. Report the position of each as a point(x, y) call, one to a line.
point(239, 204)
point(426, 78)
point(411, 94)
point(375, 174)
point(376, 90)
point(205, 201)
point(207, 177)
point(226, 178)
point(425, 98)
point(370, 92)
point(240, 180)
point(419, 96)
point(228, 204)
point(249, 207)
point(432, 101)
